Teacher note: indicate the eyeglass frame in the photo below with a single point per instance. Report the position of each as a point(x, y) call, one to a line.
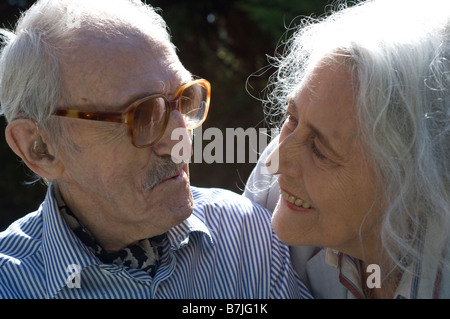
point(126, 117)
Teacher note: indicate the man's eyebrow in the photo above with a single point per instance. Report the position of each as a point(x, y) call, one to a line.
point(133, 98)
point(160, 89)
point(115, 108)
point(323, 140)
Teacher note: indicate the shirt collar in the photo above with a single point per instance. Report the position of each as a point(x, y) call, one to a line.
point(61, 248)
point(419, 280)
point(179, 235)
point(349, 272)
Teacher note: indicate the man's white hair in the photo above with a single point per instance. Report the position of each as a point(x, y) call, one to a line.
point(30, 74)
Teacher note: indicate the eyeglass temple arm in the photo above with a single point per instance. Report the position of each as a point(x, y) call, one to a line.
point(95, 116)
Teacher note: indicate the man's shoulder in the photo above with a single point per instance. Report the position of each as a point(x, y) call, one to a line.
point(21, 239)
point(222, 199)
point(230, 212)
point(21, 258)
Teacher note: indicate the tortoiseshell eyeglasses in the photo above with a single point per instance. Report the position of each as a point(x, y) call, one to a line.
point(147, 118)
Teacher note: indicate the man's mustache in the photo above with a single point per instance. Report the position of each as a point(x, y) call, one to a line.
point(163, 168)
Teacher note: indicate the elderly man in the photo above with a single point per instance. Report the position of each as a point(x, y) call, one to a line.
point(92, 91)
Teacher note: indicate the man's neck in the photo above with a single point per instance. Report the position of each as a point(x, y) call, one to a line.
point(110, 234)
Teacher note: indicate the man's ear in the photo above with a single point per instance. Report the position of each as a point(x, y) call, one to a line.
point(25, 139)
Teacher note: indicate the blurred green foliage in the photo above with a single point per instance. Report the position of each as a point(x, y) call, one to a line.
point(224, 41)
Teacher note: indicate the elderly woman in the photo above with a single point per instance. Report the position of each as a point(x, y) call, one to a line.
point(362, 162)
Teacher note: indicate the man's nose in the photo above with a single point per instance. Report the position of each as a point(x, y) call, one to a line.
point(176, 140)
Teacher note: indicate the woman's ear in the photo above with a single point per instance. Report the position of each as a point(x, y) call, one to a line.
point(25, 139)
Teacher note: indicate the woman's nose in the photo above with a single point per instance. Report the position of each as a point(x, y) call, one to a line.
point(284, 159)
point(273, 161)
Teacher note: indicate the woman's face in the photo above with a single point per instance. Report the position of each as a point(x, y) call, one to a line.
point(328, 193)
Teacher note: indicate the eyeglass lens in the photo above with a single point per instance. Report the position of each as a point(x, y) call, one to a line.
point(150, 117)
point(193, 105)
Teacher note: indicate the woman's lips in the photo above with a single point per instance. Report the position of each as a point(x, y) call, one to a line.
point(295, 201)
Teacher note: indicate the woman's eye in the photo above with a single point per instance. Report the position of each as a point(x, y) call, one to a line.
point(291, 122)
point(316, 152)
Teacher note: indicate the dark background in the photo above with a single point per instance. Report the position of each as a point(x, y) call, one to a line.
point(224, 41)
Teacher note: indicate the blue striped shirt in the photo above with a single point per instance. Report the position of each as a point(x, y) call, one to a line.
point(225, 249)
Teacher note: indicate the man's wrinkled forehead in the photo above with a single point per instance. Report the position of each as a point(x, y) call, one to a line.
point(120, 67)
point(88, 46)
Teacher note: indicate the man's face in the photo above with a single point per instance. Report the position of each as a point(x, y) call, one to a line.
point(107, 177)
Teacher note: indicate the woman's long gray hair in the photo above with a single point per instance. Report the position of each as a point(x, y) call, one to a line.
point(398, 53)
